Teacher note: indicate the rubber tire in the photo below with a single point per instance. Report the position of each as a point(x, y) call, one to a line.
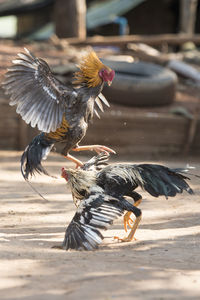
point(140, 84)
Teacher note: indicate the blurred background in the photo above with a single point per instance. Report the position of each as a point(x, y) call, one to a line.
point(152, 45)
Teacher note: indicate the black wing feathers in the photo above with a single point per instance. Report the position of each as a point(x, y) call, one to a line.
point(39, 96)
point(94, 213)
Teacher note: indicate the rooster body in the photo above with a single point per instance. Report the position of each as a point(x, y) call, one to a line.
point(61, 112)
point(113, 183)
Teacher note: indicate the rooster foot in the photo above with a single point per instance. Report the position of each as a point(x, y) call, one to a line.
point(96, 148)
point(126, 239)
point(130, 237)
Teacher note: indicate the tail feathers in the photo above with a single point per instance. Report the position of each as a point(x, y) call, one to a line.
point(159, 180)
point(31, 159)
point(186, 171)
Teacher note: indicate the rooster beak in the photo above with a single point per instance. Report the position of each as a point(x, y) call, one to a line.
point(109, 82)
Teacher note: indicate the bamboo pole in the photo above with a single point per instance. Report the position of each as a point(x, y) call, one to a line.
point(153, 40)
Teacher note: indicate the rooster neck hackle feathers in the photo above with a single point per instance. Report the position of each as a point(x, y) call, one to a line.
point(89, 70)
point(80, 180)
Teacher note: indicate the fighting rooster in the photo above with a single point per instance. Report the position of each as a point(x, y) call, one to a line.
point(102, 197)
point(61, 112)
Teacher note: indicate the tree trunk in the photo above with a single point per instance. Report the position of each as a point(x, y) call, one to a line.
point(70, 19)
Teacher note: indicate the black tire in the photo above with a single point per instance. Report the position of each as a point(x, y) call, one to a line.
point(141, 84)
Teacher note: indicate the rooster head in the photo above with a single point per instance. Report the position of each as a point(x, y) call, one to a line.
point(93, 72)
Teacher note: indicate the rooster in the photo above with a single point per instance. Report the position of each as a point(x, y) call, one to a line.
point(102, 192)
point(60, 112)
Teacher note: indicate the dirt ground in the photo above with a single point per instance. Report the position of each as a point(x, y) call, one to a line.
point(163, 263)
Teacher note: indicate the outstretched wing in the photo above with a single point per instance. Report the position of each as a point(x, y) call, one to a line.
point(159, 180)
point(94, 213)
point(39, 96)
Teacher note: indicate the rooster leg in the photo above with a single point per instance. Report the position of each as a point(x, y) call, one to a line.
point(137, 203)
point(97, 148)
point(138, 214)
point(130, 237)
point(75, 160)
point(127, 219)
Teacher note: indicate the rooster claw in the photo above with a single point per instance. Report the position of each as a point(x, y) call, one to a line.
point(125, 239)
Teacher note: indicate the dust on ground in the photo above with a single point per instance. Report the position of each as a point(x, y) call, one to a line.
point(163, 263)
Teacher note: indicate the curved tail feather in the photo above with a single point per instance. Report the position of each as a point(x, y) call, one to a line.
point(35, 190)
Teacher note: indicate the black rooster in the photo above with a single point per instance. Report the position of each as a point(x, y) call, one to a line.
point(102, 189)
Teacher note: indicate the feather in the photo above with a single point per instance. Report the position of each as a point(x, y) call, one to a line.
point(96, 113)
point(31, 85)
point(96, 163)
point(98, 102)
point(94, 214)
point(103, 99)
point(164, 180)
point(89, 70)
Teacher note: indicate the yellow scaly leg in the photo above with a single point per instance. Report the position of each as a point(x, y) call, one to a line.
point(130, 237)
point(127, 220)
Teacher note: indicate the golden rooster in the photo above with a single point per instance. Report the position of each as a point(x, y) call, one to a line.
point(61, 112)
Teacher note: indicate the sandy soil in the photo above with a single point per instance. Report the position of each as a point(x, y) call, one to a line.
point(163, 263)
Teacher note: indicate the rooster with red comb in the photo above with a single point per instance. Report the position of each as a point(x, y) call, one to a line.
point(100, 192)
point(60, 112)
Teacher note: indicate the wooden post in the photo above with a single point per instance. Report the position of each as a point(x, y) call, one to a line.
point(70, 19)
point(27, 23)
point(188, 10)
